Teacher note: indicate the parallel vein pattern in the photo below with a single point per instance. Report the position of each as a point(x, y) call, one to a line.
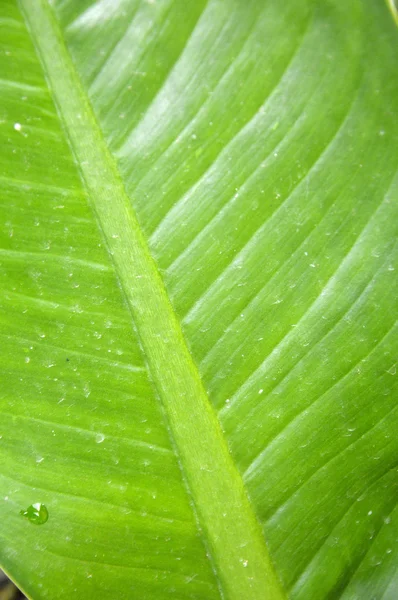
point(256, 144)
point(222, 506)
point(265, 184)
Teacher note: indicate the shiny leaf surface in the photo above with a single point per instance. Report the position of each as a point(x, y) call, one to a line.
point(198, 296)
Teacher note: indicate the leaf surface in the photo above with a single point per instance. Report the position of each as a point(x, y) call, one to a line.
point(198, 323)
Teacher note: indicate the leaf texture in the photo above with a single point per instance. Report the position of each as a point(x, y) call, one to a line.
point(198, 294)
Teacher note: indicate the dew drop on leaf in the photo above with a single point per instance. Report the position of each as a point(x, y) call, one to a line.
point(36, 513)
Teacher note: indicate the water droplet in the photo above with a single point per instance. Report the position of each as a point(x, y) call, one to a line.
point(17, 126)
point(99, 438)
point(76, 308)
point(36, 513)
point(244, 562)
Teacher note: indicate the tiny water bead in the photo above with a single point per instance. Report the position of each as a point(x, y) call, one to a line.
point(36, 513)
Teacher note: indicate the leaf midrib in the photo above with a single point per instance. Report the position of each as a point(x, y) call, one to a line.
point(232, 532)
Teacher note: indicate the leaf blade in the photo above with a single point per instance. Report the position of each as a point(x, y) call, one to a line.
point(225, 326)
point(225, 513)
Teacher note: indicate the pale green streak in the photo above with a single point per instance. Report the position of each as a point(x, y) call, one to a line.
point(233, 534)
point(394, 10)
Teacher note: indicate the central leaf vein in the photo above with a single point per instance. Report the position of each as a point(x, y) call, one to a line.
point(232, 531)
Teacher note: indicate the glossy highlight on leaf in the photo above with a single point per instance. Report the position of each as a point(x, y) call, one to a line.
point(198, 299)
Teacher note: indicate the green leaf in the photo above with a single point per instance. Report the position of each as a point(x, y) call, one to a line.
point(198, 298)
